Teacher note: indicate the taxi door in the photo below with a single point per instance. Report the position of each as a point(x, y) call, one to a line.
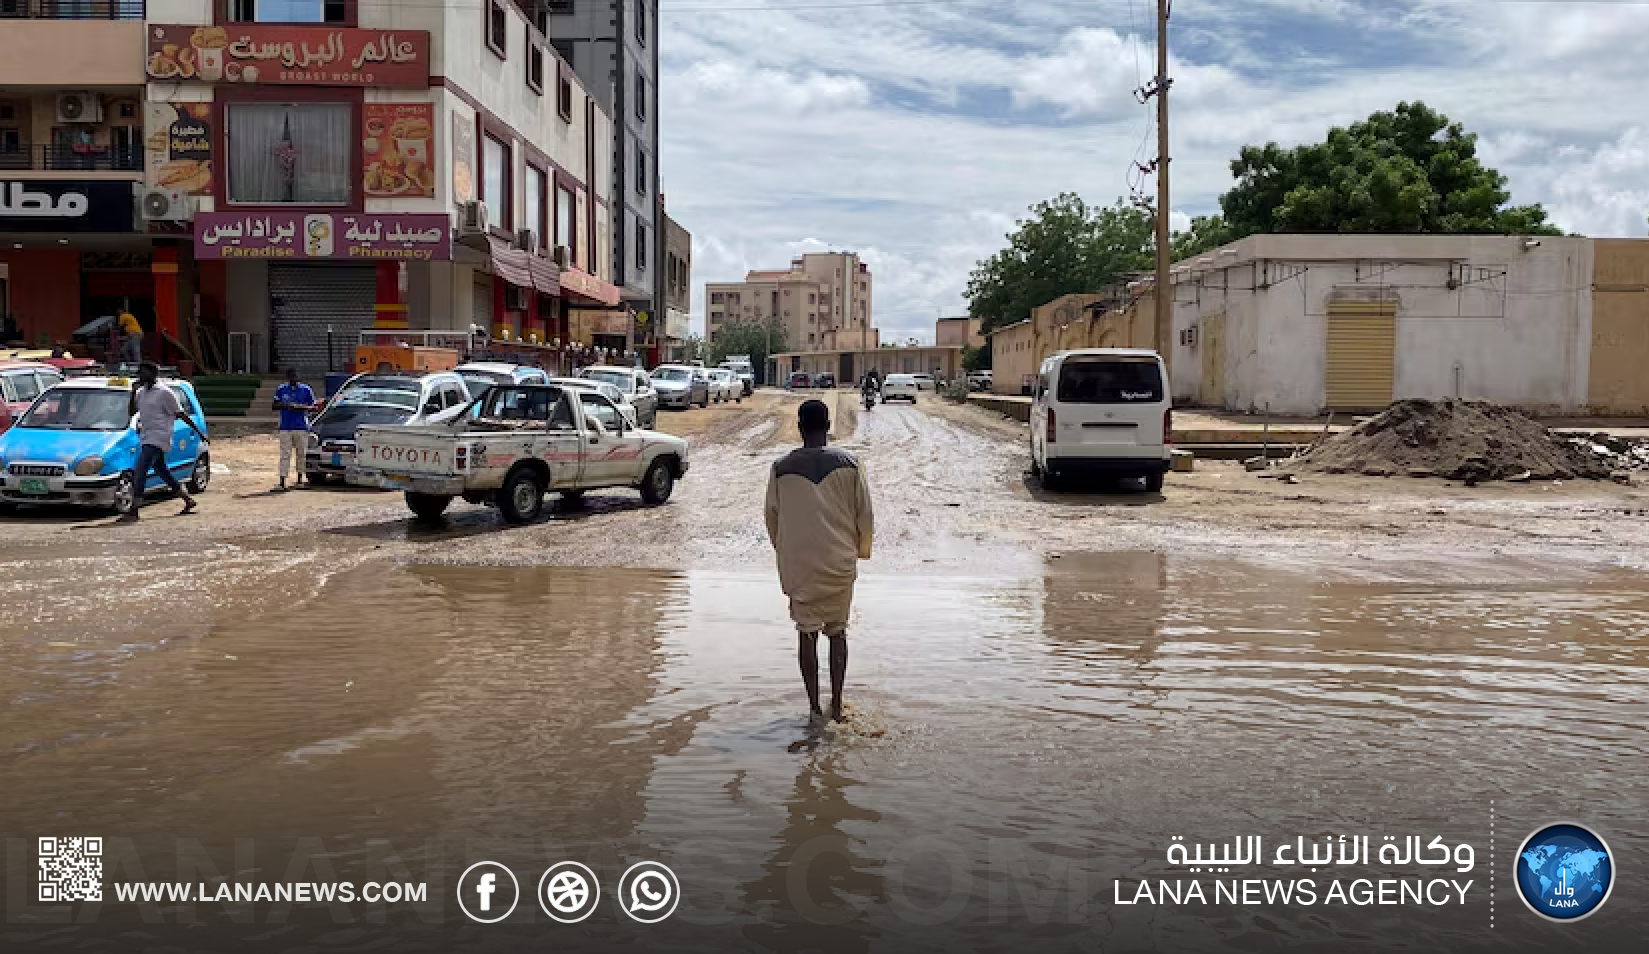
point(185, 447)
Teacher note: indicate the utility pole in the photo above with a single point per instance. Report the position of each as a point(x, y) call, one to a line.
point(1165, 290)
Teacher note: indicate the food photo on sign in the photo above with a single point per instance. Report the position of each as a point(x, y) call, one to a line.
point(463, 158)
point(177, 146)
point(397, 149)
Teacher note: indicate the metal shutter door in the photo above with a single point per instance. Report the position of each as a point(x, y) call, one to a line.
point(1362, 348)
point(481, 302)
point(313, 297)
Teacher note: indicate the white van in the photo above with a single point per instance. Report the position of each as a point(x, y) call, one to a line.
point(1102, 411)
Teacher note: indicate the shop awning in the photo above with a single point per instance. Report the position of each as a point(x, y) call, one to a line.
point(546, 277)
point(583, 287)
point(510, 264)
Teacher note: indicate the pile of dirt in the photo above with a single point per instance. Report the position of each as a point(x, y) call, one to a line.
point(1460, 440)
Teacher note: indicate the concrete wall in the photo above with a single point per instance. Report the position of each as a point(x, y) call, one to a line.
point(1477, 317)
point(72, 54)
point(1013, 356)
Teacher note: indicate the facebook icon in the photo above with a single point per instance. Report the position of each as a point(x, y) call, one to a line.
point(488, 892)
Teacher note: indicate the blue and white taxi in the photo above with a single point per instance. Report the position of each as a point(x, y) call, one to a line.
point(77, 444)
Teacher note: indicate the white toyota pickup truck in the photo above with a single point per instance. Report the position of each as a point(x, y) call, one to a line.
point(512, 445)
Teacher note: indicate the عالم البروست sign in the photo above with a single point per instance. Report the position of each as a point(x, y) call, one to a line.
point(406, 237)
point(288, 55)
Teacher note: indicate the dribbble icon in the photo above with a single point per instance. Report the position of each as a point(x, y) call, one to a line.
point(648, 892)
point(485, 895)
point(1564, 872)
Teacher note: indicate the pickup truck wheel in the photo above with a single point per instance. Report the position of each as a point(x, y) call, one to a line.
point(657, 484)
point(201, 476)
point(428, 506)
point(521, 499)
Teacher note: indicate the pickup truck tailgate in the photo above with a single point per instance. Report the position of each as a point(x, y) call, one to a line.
point(418, 451)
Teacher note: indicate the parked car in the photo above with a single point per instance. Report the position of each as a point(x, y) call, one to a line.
point(925, 381)
point(1101, 411)
point(900, 387)
point(636, 386)
point(513, 445)
point(78, 444)
point(613, 394)
point(724, 386)
point(480, 375)
point(824, 379)
point(680, 385)
point(742, 369)
point(20, 383)
point(400, 397)
point(979, 380)
point(800, 379)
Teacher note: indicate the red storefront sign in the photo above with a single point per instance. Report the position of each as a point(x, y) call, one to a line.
point(353, 236)
point(585, 285)
point(250, 53)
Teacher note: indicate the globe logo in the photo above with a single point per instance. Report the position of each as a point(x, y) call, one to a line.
point(1564, 872)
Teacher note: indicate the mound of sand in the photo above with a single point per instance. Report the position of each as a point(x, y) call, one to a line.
point(1460, 440)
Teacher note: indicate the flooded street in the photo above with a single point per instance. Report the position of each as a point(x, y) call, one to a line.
point(1038, 706)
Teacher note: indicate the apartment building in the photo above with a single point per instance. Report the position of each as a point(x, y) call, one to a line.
point(613, 46)
point(678, 290)
point(291, 174)
point(823, 302)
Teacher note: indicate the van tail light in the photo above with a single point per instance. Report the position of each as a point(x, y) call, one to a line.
point(1168, 426)
point(1053, 427)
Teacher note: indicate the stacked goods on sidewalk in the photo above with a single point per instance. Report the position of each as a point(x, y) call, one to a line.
point(1460, 440)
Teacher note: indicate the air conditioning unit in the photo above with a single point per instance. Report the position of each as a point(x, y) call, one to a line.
point(165, 205)
point(515, 298)
point(79, 108)
point(526, 240)
point(563, 256)
point(472, 218)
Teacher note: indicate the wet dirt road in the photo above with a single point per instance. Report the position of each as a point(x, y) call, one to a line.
point(1046, 691)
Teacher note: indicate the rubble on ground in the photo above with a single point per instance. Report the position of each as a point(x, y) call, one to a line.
point(1460, 440)
point(1615, 453)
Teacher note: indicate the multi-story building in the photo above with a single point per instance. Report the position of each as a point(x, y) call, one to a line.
point(72, 247)
point(304, 171)
point(823, 302)
point(678, 290)
point(613, 45)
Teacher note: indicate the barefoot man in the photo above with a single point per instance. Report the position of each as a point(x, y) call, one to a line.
point(818, 517)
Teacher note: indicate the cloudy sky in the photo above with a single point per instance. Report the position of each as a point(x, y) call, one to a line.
point(917, 132)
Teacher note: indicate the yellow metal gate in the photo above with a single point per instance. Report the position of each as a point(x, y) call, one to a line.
point(1362, 349)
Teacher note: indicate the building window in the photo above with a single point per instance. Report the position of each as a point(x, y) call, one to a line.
point(717, 298)
point(563, 48)
point(535, 68)
point(286, 11)
point(641, 96)
point(564, 220)
point(641, 171)
point(641, 246)
point(813, 299)
point(495, 181)
point(564, 95)
point(641, 22)
point(498, 22)
point(536, 208)
point(298, 153)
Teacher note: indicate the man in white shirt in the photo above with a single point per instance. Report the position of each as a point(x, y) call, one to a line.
point(157, 411)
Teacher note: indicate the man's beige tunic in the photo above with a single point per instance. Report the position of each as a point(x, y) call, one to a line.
point(819, 519)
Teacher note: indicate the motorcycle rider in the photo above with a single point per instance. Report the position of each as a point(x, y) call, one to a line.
point(870, 387)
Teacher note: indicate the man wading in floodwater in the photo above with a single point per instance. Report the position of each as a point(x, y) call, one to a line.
point(819, 519)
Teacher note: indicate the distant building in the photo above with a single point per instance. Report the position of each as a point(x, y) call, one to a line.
point(823, 302)
point(943, 359)
point(678, 290)
point(958, 332)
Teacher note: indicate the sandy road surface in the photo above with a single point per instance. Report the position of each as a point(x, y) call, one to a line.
point(952, 496)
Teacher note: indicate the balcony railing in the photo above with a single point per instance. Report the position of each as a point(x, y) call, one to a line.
point(71, 158)
point(71, 9)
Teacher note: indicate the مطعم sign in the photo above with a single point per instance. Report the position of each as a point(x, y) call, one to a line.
point(296, 236)
point(40, 205)
point(288, 55)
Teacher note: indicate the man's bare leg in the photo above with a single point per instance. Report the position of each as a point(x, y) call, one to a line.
point(838, 668)
point(807, 652)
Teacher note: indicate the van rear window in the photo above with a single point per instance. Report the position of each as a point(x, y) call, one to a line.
point(1109, 381)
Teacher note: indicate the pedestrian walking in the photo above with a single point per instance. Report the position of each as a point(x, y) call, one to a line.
point(158, 411)
point(131, 337)
point(294, 400)
point(819, 520)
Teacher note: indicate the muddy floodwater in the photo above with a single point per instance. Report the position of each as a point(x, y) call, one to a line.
point(1022, 749)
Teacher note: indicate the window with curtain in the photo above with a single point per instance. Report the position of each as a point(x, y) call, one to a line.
point(495, 181)
point(290, 152)
point(535, 205)
point(564, 218)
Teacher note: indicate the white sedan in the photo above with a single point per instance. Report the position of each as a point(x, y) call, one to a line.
point(725, 385)
point(900, 387)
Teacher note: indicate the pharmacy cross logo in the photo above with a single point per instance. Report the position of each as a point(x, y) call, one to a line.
point(71, 868)
point(568, 892)
point(1564, 872)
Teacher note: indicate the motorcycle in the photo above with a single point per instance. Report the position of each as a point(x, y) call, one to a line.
point(869, 398)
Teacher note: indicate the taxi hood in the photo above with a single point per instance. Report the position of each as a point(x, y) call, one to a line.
point(49, 446)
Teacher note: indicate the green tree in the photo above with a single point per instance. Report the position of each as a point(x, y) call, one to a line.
point(1065, 247)
point(756, 339)
point(1409, 170)
point(976, 359)
point(695, 348)
point(1206, 232)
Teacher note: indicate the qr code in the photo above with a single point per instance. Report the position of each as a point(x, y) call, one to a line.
point(71, 869)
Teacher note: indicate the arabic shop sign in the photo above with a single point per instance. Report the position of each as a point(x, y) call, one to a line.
point(289, 55)
point(59, 206)
point(355, 236)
